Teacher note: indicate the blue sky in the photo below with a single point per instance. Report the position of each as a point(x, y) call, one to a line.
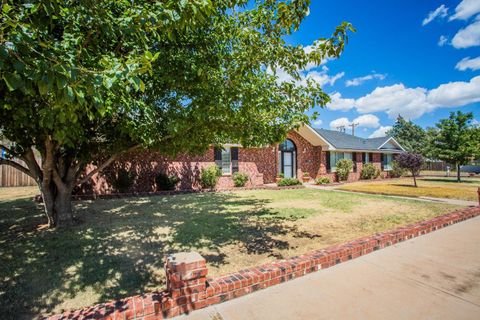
point(399, 61)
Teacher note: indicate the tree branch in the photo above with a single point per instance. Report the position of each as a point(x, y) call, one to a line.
point(17, 166)
point(105, 164)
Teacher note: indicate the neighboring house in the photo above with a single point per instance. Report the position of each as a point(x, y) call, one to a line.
point(315, 151)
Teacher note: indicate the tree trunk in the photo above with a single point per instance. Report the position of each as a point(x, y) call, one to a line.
point(458, 173)
point(414, 179)
point(58, 206)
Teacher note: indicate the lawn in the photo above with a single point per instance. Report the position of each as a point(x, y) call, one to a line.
point(436, 187)
point(117, 250)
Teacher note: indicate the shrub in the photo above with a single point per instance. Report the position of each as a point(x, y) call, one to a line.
point(322, 180)
point(288, 182)
point(209, 176)
point(343, 168)
point(369, 171)
point(240, 179)
point(123, 181)
point(165, 182)
point(306, 174)
point(281, 175)
point(397, 171)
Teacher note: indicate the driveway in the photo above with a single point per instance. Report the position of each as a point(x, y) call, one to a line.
point(435, 276)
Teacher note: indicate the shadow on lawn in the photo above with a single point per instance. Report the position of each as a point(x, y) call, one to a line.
point(453, 180)
point(119, 248)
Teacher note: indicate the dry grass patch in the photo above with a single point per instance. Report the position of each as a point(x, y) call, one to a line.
point(427, 187)
point(118, 250)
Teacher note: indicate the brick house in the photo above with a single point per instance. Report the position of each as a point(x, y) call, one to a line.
point(315, 151)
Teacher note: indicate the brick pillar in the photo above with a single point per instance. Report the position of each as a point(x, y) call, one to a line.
point(186, 279)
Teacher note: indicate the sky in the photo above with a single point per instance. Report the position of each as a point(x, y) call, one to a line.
point(418, 59)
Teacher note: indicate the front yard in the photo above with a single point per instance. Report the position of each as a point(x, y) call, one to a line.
point(118, 248)
point(436, 187)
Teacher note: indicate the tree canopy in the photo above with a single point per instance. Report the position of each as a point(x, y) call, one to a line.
point(456, 140)
point(412, 162)
point(83, 81)
point(410, 135)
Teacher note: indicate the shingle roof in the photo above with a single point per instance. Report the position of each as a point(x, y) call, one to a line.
point(341, 140)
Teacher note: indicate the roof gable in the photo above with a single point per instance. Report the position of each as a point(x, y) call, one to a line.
point(341, 140)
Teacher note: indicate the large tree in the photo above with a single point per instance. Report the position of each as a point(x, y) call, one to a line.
point(83, 81)
point(410, 135)
point(456, 140)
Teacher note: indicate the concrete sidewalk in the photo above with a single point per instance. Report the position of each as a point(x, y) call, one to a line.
point(435, 276)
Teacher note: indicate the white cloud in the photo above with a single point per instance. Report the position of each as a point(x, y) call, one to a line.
point(317, 122)
point(469, 36)
point(456, 94)
point(360, 80)
point(466, 9)
point(340, 122)
point(412, 103)
point(442, 41)
point(338, 103)
point(367, 121)
point(380, 132)
point(321, 77)
point(440, 12)
point(467, 63)
point(395, 100)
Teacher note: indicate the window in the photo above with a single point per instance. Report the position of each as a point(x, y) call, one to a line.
point(335, 156)
point(387, 161)
point(226, 159)
point(366, 157)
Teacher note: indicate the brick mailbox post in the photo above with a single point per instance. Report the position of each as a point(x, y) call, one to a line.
point(186, 280)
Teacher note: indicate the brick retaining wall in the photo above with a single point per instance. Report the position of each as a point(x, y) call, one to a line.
point(189, 289)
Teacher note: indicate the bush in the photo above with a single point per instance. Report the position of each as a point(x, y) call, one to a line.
point(209, 176)
point(240, 179)
point(288, 182)
point(123, 181)
point(322, 180)
point(397, 171)
point(165, 182)
point(281, 175)
point(343, 168)
point(306, 174)
point(369, 171)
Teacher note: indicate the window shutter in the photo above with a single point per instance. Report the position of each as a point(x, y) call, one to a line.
point(218, 157)
point(364, 157)
point(382, 157)
point(370, 157)
point(328, 160)
point(354, 159)
point(234, 152)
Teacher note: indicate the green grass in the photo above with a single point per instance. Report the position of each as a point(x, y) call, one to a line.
point(118, 248)
point(441, 187)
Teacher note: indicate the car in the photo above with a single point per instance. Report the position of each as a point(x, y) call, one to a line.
point(470, 169)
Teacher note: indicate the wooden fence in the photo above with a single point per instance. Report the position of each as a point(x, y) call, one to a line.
point(11, 177)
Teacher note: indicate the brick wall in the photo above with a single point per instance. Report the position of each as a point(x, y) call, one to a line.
point(258, 163)
point(189, 288)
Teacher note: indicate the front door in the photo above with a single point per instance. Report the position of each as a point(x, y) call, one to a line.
point(288, 164)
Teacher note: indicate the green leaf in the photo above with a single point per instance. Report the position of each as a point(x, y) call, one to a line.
point(13, 81)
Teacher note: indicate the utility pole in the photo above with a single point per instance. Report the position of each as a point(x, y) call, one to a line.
point(341, 128)
point(353, 125)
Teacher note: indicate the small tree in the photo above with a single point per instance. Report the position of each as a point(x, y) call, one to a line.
point(412, 162)
point(343, 167)
point(456, 140)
